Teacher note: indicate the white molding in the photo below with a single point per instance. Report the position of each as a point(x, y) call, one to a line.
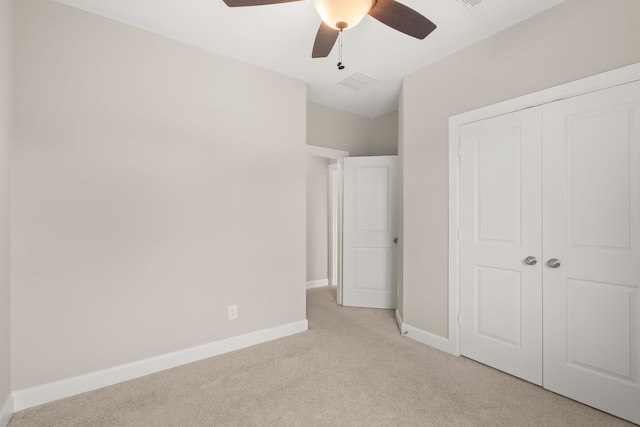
point(6, 412)
point(424, 337)
point(23, 399)
point(593, 83)
point(317, 283)
point(328, 153)
point(454, 247)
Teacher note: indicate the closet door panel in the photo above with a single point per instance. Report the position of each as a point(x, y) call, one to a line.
point(591, 217)
point(500, 226)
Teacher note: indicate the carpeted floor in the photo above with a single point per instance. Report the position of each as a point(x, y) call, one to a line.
point(352, 368)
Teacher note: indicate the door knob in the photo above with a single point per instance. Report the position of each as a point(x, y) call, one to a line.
point(553, 263)
point(530, 260)
point(395, 240)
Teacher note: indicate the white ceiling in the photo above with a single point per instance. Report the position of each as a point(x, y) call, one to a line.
point(279, 37)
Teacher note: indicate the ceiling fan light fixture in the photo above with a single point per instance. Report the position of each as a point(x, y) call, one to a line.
point(343, 14)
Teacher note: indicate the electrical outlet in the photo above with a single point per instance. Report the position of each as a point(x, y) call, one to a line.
point(233, 312)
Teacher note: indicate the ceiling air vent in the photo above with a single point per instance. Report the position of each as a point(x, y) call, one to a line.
point(470, 3)
point(359, 81)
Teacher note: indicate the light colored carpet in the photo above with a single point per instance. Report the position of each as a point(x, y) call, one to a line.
point(352, 368)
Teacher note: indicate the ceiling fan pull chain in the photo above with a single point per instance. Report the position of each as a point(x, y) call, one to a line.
point(340, 66)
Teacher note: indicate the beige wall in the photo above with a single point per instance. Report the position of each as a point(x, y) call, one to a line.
point(153, 185)
point(6, 67)
point(573, 40)
point(317, 218)
point(359, 135)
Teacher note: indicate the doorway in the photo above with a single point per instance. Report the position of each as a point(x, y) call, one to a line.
point(324, 217)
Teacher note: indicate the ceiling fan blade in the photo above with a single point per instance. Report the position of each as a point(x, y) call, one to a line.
point(402, 18)
point(240, 3)
point(325, 39)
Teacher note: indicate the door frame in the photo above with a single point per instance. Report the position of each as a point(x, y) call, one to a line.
point(593, 83)
point(334, 212)
point(335, 223)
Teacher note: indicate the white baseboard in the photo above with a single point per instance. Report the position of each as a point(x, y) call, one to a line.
point(6, 412)
point(23, 399)
point(425, 337)
point(317, 283)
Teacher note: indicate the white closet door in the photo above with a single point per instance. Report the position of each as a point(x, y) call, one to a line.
point(591, 222)
point(500, 226)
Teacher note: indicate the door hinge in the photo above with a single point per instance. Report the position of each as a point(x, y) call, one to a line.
point(459, 235)
point(459, 319)
point(459, 150)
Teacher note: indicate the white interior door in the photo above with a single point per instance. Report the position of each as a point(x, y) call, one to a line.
point(500, 226)
point(592, 226)
point(369, 227)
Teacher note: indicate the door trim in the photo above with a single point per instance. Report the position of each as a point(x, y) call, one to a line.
point(328, 153)
point(594, 83)
point(335, 226)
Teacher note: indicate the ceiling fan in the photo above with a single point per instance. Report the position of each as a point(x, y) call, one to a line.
point(338, 15)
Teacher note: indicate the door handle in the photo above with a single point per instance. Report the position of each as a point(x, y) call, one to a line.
point(553, 263)
point(530, 260)
point(395, 240)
